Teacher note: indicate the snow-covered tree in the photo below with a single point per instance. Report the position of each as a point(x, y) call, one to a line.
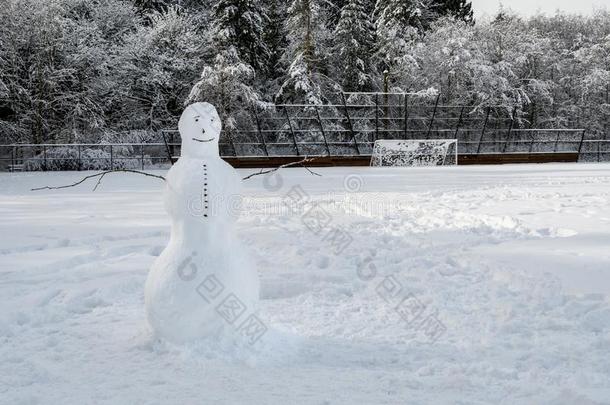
point(82, 70)
point(239, 50)
point(399, 24)
point(400, 14)
point(148, 6)
point(332, 9)
point(595, 59)
point(157, 68)
point(458, 9)
point(56, 59)
point(240, 24)
point(446, 60)
point(594, 86)
point(226, 84)
point(354, 42)
point(499, 81)
point(305, 77)
point(274, 36)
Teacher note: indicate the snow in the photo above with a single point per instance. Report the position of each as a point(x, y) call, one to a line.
point(513, 261)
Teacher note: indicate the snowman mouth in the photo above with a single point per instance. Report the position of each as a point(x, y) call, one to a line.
point(203, 140)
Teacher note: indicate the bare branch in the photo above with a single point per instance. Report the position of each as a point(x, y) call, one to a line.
point(311, 171)
point(99, 180)
point(101, 176)
point(298, 163)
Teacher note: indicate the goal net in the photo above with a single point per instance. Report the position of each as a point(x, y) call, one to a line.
point(408, 153)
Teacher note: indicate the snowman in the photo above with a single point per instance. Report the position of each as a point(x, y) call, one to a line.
point(202, 285)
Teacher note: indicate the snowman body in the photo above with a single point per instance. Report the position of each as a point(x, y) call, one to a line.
point(204, 260)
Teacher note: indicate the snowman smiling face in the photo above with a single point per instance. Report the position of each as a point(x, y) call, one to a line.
point(200, 128)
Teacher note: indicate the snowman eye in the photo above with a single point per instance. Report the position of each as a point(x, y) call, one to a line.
point(196, 119)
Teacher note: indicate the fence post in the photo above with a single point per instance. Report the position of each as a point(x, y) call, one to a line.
point(142, 154)
point(457, 128)
point(599, 155)
point(167, 149)
point(556, 142)
point(376, 116)
point(44, 156)
point(231, 141)
point(80, 164)
point(483, 131)
point(294, 139)
point(582, 141)
point(406, 114)
point(433, 116)
point(172, 148)
point(322, 129)
point(260, 133)
point(349, 122)
point(111, 158)
point(510, 129)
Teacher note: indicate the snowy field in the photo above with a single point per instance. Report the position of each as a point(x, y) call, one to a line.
point(457, 285)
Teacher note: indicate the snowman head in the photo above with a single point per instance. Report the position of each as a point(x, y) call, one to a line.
point(200, 128)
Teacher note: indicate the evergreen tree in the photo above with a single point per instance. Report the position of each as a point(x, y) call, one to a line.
point(400, 14)
point(147, 6)
point(276, 41)
point(240, 52)
point(227, 84)
point(458, 9)
point(354, 41)
point(399, 24)
point(240, 24)
point(333, 10)
point(304, 79)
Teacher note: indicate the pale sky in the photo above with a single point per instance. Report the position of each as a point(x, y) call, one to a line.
point(529, 7)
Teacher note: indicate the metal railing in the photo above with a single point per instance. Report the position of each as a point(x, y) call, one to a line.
point(594, 151)
point(16, 157)
point(347, 127)
point(470, 142)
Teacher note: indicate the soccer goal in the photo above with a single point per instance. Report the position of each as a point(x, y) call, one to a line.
point(420, 152)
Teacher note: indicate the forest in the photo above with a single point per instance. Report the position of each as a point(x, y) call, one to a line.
point(120, 70)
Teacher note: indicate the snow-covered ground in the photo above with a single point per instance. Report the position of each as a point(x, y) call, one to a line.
point(457, 285)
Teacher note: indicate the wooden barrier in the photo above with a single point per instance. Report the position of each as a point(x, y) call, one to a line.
point(276, 161)
point(330, 161)
point(511, 158)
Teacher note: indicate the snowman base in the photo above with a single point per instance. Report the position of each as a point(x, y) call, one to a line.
point(203, 286)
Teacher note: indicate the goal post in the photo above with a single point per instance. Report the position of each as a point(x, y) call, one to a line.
point(414, 153)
